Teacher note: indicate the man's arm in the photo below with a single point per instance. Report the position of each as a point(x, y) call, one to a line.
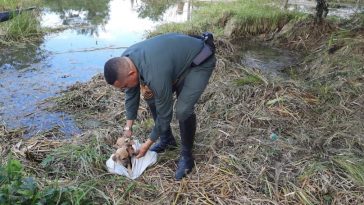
point(164, 107)
point(132, 99)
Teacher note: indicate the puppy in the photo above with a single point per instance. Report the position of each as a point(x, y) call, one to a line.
point(123, 142)
point(122, 157)
point(124, 152)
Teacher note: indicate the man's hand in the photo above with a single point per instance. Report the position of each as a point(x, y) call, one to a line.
point(127, 133)
point(144, 148)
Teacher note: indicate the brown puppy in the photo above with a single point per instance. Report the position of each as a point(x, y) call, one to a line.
point(122, 157)
point(124, 152)
point(123, 141)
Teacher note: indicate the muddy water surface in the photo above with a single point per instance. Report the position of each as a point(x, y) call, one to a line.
point(342, 9)
point(269, 60)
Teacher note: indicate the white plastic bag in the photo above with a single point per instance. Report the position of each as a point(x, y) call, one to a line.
point(138, 165)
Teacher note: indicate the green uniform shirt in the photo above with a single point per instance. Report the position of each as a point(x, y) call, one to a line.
point(160, 61)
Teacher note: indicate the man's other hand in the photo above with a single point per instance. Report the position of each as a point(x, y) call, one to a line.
point(127, 133)
point(144, 148)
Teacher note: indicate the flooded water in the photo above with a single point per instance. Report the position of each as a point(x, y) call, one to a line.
point(268, 59)
point(341, 9)
point(98, 31)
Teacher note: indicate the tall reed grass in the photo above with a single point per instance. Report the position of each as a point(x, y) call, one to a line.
point(23, 26)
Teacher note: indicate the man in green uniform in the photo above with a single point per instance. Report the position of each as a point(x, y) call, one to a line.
point(158, 67)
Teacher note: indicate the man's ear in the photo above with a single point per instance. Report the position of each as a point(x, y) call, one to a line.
point(114, 158)
point(131, 72)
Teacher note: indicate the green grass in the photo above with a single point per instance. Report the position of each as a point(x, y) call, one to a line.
point(313, 168)
point(22, 27)
point(71, 159)
point(353, 167)
point(253, 17)
point(6, 5)
point(250, 79)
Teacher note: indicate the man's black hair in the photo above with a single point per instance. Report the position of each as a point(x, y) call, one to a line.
point(111, 70)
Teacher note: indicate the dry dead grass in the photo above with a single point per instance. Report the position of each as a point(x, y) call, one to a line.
point(316, 159)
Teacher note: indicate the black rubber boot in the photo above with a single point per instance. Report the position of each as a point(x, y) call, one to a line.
point(186, 161)
point(165, 142)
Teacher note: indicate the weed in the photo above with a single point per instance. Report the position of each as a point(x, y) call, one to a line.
point(16, 188)
point(353, 167)
point(250, 79)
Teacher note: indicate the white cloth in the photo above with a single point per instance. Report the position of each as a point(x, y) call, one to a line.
point(138, 165)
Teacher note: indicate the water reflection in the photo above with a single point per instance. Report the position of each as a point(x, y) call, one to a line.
point(163, 10)
point(154, 9)
point(21, 57)
point(93, 13)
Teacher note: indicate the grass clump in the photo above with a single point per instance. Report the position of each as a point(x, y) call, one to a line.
point(353, 167)
point(87, 156)
point(22, 27)
point(6, 5)
point(250, 79)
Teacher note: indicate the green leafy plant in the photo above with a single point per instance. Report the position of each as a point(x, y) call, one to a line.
point(16, 188)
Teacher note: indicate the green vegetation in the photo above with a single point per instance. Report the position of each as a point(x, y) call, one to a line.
point(249, 79)
point(353, 167)
point(22, 27)
point(73, 159)
point(17, 188)
point(6, 5)
point(247, 17)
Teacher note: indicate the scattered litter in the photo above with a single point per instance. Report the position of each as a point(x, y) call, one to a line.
point(273, 136)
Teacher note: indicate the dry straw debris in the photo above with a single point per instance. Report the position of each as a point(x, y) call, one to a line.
point(315, 156)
